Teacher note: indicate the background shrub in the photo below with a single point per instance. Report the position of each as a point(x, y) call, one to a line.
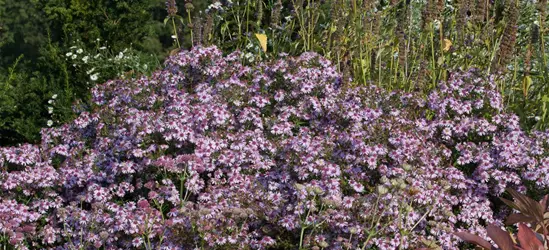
point(41, 33)
point(215, 152)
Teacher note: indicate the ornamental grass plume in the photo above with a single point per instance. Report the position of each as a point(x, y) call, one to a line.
point(212, 152)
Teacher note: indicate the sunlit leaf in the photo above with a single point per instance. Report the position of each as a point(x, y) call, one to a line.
point(447, 44)
point(262, 41)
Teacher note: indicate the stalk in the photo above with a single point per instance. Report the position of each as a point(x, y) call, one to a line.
point(175, 33)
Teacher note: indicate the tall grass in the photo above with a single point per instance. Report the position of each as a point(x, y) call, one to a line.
point(402, 45)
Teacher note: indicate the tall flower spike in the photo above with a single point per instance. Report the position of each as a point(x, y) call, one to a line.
point(275, 14)
point(400, 33)
point(171, 7)
point(197, 29)
point(507, 45)
point(207, 29)
point(259, 12)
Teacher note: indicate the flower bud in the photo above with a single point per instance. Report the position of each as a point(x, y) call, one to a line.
point(323, 244)
point(318, 190)
point(381, 189)
point(299, 186)
point(189, 6)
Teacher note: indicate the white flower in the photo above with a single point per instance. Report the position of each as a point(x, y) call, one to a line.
point(50, 110)
point(103, 48)
point(73, 56)
point(79, 51)
point(69, 54)
point(50, 122)
point(50, 101)
point(73, 47)
point(215, 6)
point(85, 59)
point(54, 96)
point(173, 36)
point(94, 77)
point(436, 24)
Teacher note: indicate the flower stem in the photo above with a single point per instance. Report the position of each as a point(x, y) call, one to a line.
point(175, 33)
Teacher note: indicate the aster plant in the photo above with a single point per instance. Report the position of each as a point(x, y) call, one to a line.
point(213, 153)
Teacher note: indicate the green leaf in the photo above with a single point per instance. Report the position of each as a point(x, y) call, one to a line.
point(181, 19)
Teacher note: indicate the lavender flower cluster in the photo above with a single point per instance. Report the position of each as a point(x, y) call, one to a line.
point(210, 153)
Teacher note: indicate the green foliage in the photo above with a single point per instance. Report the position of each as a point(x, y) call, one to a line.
point(24, 96)
point(101, 63)
point(20, 104)
point(36, 35)
point(407, 45)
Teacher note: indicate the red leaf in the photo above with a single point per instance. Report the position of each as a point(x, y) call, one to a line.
point(500, 237)
point(474, 239)
point(518, 218)
point(525, 205)
point(545, 202)
point(527, 238)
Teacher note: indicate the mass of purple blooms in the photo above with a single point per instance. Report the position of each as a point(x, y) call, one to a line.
point(211, 153)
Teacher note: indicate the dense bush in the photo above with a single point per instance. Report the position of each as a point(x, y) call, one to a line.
point(213, 153)
point(407, 45)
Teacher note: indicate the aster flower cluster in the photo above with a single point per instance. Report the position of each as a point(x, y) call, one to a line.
point(210, 152)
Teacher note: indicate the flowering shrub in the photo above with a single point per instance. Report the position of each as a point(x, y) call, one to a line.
point(211, 153)
point(101, 63)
